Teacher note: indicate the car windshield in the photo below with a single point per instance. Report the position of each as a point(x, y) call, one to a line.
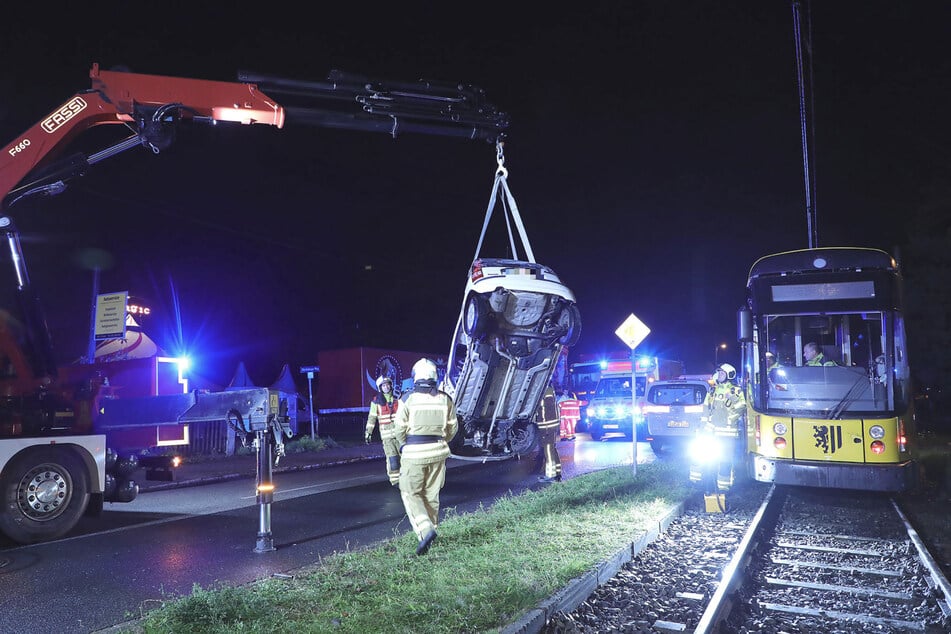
point(614, 387)
point(677, 395)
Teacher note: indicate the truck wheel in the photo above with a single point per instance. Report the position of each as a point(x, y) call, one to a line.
point(44, 493)
point(570, 320)
point(475, 315)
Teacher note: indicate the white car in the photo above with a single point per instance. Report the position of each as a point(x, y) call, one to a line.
point(516, 317)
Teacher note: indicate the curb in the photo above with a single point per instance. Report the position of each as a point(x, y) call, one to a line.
point(579, 589)
point(224, 477)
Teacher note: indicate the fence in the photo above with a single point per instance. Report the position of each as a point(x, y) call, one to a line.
point(217, 438)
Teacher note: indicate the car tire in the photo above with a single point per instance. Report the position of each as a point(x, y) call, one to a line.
point(570, 320)
point(457, 443)
point(475, 315)
point(596, 432)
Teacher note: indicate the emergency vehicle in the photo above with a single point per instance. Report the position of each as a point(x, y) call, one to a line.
point(615, 406)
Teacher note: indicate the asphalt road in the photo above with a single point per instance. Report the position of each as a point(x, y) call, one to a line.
point(159, 546)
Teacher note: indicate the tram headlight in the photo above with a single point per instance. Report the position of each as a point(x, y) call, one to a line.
point(877, 432)
point(780, 429)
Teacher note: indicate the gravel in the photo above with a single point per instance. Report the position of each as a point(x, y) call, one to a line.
point(667, 585)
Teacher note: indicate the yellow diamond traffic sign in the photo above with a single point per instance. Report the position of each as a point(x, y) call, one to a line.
point(632, 331)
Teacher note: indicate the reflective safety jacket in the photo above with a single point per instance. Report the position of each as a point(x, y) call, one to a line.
point(383, 411)
point(819, 359)
point(425, 423)
point(546, 416)
point(726, 406)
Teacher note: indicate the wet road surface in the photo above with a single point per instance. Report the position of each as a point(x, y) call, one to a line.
point(160, 545)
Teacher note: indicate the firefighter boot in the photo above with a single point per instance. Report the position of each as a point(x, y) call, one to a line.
point(426, 542)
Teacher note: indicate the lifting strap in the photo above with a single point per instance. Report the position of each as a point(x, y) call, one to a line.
point(510, 208)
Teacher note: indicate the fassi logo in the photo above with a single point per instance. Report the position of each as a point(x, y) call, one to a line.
point(66, 112)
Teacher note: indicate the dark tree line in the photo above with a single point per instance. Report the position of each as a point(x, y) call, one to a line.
point(926, 263)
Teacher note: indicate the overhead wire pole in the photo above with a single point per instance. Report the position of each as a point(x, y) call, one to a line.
point(805, 114)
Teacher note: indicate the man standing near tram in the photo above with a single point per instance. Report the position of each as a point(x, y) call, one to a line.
point(726, 407)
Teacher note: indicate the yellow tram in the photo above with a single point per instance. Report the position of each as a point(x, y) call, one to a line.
point(829, 397)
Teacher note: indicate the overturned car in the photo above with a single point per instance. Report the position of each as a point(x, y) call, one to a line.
point(516, 316)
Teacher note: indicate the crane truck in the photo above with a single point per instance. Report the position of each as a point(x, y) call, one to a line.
point(56, 458)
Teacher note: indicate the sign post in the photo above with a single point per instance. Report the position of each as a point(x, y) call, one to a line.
point(632, 332)
point(309, 370)
point(109, 318)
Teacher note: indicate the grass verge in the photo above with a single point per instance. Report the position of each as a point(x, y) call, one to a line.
point(485, 569)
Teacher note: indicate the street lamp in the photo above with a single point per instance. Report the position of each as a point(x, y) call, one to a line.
point(716, 354)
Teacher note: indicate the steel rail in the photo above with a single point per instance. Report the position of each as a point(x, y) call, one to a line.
point(734, 572)
point(934, 570)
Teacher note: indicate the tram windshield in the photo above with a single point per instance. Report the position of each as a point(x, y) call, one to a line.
point(831, 364)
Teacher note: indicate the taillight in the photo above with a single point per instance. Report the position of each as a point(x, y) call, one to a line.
point(756, 431)
point(779, 442)
point(877, 447)
point(902, 439)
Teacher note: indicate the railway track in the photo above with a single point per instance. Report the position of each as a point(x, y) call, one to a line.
point(830, 561)
point(787, 560)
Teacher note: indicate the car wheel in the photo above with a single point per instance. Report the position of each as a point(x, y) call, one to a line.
point(475, 315)
point(524, 438)
point(570, 322)
point(457, 443)
point(596, 432)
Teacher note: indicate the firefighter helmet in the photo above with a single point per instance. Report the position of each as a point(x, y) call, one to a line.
point(728, 370)
point(383, 379)
point(424, 370)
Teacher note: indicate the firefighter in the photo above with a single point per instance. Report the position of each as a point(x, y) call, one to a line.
point(549, 427)
point(382, 410)
point(425, 423)
point(725, 407)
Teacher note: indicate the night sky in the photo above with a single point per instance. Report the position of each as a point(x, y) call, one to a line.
point(654, 152)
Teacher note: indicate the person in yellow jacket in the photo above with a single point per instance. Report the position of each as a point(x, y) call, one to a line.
point(725, 406)
point(813, 355)
point(549, 428)
point(382, 411)
point(425, 423)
